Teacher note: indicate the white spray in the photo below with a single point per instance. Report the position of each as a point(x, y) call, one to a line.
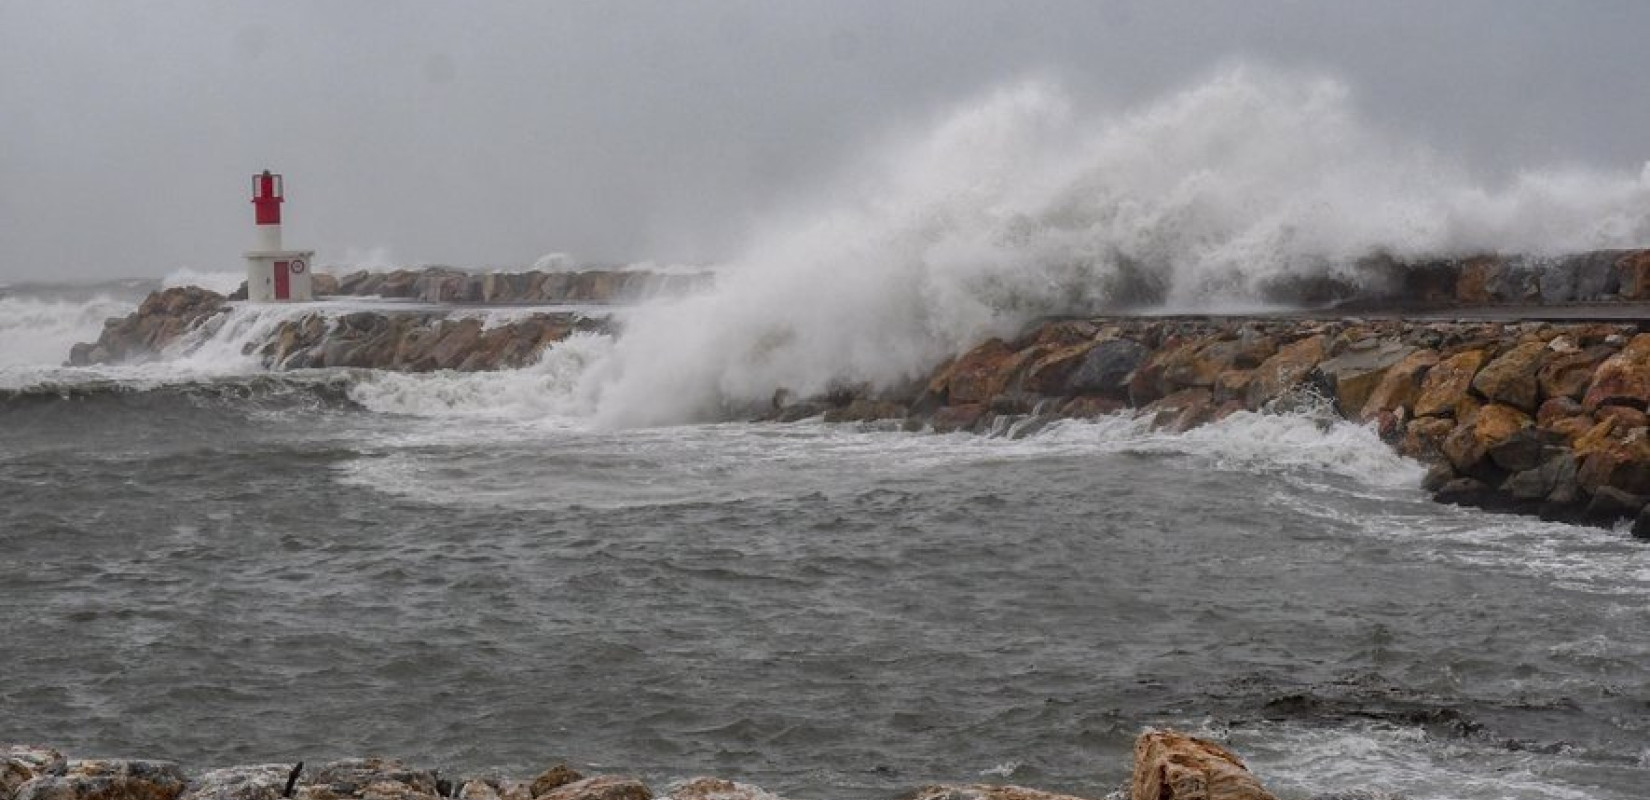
point(1017, 206)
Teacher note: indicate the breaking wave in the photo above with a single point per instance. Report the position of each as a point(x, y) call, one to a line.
point(1019, 205)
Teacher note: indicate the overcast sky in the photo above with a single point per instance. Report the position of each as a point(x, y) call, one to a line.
point(490, 133)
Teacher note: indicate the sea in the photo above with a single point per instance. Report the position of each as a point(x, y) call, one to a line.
point(599, 559)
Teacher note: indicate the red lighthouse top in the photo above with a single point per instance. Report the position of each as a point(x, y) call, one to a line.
point(267, 196)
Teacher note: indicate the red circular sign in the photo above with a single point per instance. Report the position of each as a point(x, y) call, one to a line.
point(297, 267)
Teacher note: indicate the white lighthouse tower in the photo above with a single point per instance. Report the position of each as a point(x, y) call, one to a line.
point(273, 274)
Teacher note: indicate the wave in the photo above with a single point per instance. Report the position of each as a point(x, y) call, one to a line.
point(39, 330)
point(1018, 206)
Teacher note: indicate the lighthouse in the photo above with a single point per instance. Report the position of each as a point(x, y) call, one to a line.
point(273, 274)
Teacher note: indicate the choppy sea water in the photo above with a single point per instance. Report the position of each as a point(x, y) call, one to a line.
point(210, 563)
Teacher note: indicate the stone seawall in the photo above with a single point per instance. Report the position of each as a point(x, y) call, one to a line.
point(1167, 766)
point(413, 340)
point(1531, 417)
point(445, 285)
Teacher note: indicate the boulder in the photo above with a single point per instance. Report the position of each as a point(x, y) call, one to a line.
point(1610, 504)
point(1618, 464)
point(1465, 492)
point(951, 419)
point(980, 791)
point(600, 787)
point(1633, 269)
point(108, 780)
point(1553, 480)
point(1641, 524)
point(258, 782)
point(1472, 440)
point(1511, 378)
point(1447, 383)
point(1567, 374)
point(1051, 373)
point(1174, 766)
point(554, 778)
point(1353, 376)
point(717, 789)
point(1624, 378)
point(369, 779)
point(1285, 369)
point(1595, 275)
point(20, 764)
point(1181, 411)
point(1106, 367)
point(1424, 438)
point(1090, 406)
point(979, 374)
point(1400, 384)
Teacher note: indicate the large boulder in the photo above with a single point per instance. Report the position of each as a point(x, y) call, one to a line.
point(1051, 373)
point(600, 787)
point(1472, 440)
point(1292, 363)
point(370, 779)
point(1616, 463)
point(1174, 766)
point(1354, 375)
point(1633, 268)
point(1568, 374)
point(1624, 378)
point(981, 791)
point(717, 789)
point(1106, 368)
point(20, 764)
point(979, 374)
point(1400, 384)
point(257, 782)
point(1447, 384)
point(1511, 378)
point(108, 780)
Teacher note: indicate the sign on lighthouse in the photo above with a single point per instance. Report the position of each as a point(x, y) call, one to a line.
point(273, 274)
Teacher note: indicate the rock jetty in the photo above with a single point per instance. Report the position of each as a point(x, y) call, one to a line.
point(533, 287)
point(1532, 417)
point(1167, 766)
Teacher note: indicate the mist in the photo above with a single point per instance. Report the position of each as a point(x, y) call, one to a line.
point(490, 134)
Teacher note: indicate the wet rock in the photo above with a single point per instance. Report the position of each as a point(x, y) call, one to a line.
point(1292, 363)
point(1634, 271)
point(1353, 376)
point(1181, 411)
point(1106, 367)
point(258, 782)
point(108, 780)
point(1174, 766)
point(981, 791)
point(1051, 373)
point(1524, 449)
point(161, 319)
point(1400, 385)
point(20, 764)
point(554, 778)
point(1472, 440)
point(1447, 383)
point(1610, 504)
point(1641, 524)
point(1617, 464)
point(1511, 379)
point(958, 418)
point(1424, 438)
point(369, 779)
point(600, 787)
point(1553, 480)
point(717, 789)
point(980, 374)
point(1624, 378)
point(1568, 374)
point(1465, 492)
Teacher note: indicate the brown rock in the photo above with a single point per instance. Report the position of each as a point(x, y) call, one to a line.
point(1510, 379)
point(260, 782)
point(1181, 411)
point(1174, 766)
point(1399, 385)
point(1556, 408)
point(1634, 268)
point(554, 778)
point(1625, 417)
point(1282, 371)
point(1568, 374)
point(958, 418)
point(600, 787)
point(1624, 378)
point(1475, 284)
point(981, 791)
point(1049, 374)
point(1447, 383)
point(717, 789)
point(1472, 440)
point(980, 374)
point(1090, 406)
point(1571, 428)
point(108, 780)
point(1424, 438)
point(1619, 464)
point(20, 764)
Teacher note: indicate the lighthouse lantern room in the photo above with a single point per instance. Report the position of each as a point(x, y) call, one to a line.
point(273, 274)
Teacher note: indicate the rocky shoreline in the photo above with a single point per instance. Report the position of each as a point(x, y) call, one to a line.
point(1167, 766)
point(1529, 417)
point(1544, 418)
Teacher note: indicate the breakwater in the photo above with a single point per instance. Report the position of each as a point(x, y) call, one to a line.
point(446, 285)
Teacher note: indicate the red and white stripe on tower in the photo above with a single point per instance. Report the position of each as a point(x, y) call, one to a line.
point(267, 196)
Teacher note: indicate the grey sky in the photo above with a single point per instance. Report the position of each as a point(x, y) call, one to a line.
point(490, 133)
